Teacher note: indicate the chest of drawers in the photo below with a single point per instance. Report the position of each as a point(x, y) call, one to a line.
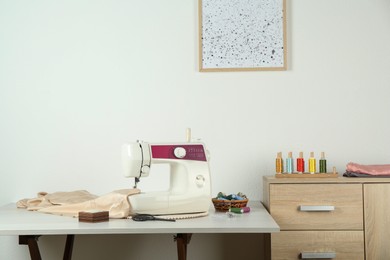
point(335, 218)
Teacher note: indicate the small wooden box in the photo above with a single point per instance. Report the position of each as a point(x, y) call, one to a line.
point(93, 216)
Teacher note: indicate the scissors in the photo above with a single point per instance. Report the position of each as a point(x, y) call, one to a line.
point(146, 217)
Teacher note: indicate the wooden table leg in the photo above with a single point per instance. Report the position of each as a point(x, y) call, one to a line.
point(68, 247)
point(182, 240)
point(32, 242)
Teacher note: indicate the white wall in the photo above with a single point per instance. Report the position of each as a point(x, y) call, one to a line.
point(78, 78)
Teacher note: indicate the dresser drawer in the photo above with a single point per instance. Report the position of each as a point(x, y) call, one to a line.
point(317, 245)
point(317, 206)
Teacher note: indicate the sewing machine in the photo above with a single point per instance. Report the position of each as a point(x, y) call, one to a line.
point(189, 186)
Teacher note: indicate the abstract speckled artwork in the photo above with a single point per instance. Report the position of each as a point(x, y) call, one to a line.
point(242, 35)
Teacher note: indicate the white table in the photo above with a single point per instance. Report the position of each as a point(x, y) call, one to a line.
point(30, 225)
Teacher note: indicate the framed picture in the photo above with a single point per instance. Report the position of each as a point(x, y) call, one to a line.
point(242, 35)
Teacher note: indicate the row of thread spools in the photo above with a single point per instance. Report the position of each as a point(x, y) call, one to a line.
point(288, 165)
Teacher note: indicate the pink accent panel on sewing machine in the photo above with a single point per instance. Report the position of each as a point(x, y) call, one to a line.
point(194, 152)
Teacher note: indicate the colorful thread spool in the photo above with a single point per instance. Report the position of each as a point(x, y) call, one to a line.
point(289, 163)
point(279, 163)
point(322, 163)
point(312, 163)
point(300, 163)
point(240, 210)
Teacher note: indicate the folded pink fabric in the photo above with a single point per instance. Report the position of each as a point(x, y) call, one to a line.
point(380, 169)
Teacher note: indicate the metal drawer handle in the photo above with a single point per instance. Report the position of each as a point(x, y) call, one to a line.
point(316, 208)
point(318, 255)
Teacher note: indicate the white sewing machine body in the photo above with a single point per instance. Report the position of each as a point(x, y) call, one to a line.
point(190, 188)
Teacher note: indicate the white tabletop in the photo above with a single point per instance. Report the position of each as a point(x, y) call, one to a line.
point(15, 221)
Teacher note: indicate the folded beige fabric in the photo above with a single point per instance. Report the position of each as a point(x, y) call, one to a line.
point(71, 203)
point(44, 199)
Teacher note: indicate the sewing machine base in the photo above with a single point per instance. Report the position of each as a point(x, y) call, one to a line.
point(164, 203)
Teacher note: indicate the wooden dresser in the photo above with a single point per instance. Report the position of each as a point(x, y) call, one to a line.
point(326, 218)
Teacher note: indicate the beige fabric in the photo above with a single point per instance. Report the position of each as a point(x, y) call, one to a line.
point(71, 203)
point(44, 199)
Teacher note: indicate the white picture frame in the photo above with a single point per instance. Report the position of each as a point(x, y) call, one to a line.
point(238, 35)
